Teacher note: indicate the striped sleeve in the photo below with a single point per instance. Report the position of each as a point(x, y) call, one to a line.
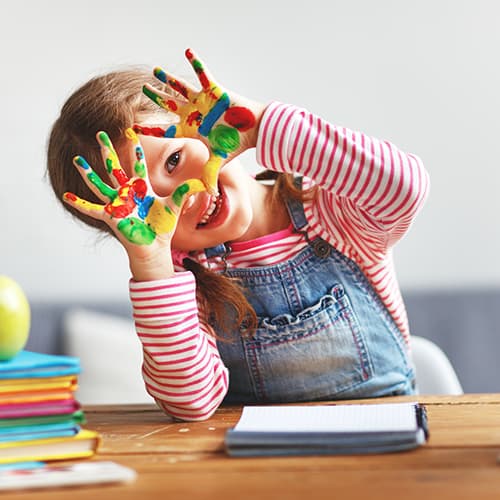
point(182, 369)
point(370, 190)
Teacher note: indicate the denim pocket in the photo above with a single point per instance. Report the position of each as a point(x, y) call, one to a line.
point(314, 355)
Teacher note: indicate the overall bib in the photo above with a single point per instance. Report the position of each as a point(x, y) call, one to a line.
point(323, 332)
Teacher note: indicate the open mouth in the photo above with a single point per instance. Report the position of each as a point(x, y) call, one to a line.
point(213, 211)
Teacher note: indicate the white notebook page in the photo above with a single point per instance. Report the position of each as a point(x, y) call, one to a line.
point(386, 417)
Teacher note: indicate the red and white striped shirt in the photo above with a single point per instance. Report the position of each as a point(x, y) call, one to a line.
point(369, 194)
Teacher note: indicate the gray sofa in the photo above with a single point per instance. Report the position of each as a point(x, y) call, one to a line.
point(465, 324)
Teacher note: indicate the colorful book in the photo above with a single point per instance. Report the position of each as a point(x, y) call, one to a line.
point(34, 385)
point(28, 364)
point(83, 444)
point(56, 407)
point(41, 431)
point(77, 417)
point(27, 397)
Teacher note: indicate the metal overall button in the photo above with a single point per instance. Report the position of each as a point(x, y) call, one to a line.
point(321, 248)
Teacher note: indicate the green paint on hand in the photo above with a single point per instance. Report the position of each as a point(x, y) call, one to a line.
point(140, 169)
point(109, 165)
point(197, 65)
point(153, 96)
point(179, 193)
point(223, 138)
point(102, 186)
point(136, 231)
point(104, 138)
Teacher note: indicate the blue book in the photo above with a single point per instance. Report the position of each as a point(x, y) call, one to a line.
point(43, 431)
point(28, 364)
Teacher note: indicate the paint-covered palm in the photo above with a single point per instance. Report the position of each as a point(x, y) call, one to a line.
point(226, 123)
point(130, 207)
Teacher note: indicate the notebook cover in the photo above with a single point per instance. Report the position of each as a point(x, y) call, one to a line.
point(276, 442)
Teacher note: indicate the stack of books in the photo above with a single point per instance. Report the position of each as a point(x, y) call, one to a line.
point(40, 419)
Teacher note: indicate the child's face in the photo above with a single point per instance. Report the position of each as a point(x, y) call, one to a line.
point(172, 161)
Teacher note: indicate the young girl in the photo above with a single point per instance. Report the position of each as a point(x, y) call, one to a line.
point(242, 290)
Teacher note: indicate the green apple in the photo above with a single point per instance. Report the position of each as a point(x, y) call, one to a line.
point(15, 318)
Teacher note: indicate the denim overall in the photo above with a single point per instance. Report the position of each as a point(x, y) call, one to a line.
point(323, 332)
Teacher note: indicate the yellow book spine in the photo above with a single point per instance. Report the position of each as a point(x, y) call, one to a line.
point(83, 444)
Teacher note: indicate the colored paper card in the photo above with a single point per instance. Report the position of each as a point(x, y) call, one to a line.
point(81, 473)
point(34, 364)
point(22, 466)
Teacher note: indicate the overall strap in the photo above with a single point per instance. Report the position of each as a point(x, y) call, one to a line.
point(216, 251)
point(296, 209)
point(221, 251)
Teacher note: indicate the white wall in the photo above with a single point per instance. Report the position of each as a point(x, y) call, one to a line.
point(424, 75)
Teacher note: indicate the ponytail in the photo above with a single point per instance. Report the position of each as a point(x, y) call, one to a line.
point(223, 301)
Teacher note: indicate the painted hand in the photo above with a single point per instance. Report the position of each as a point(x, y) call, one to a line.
point(226, 123)
point(130, 208)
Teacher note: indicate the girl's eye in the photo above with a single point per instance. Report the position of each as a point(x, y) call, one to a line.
point(172, 161)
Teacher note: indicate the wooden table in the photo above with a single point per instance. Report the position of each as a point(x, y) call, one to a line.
point(187, 460)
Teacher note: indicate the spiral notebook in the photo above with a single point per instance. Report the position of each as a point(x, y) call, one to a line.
point(328, 429)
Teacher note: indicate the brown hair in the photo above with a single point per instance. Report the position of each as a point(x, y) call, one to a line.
point(109, 102)
point(113, 102)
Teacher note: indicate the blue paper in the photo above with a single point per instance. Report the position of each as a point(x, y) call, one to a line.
point(22, 466)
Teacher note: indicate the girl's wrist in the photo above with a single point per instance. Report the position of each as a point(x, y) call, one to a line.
point(155, 266)
point(258, 110)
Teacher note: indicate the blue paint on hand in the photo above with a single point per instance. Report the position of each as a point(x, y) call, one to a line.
point(171, 131)
point(144, 205)
point(214, 114)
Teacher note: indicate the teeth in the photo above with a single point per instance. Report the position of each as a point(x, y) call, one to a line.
point(210, 211)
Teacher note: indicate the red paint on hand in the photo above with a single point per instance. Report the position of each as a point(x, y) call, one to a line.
point(194, 117)
point(153, 131)
point(70, 197)
point(240, 118)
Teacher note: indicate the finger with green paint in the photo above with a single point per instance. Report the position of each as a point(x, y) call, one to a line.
point(111, 161)
point(225, 122)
